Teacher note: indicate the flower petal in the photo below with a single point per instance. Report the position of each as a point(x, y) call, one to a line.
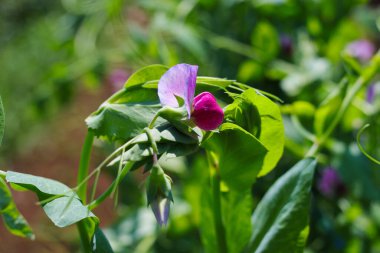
point(180, 81)
point(161, 209)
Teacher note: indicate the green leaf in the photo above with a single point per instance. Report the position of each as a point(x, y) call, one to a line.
point(241, 155)
point(13, 220)
point(135, 94)
point(143, 75)
point(170, 141)
point(205, 83)
point(65, 211)
point(121, 121)
point(43, 187)
point(261, 117)
point(60, 203)
point(279, 221)
point(140, 151)
point(165, 133)
point(2, 118)
point(100, 242)
point(237, 210)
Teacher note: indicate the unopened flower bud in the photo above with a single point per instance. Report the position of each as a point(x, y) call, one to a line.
point(159, 193)
point(207, 114)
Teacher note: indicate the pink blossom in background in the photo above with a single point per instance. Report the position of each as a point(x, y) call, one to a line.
point(117, 79)
point(361, 49)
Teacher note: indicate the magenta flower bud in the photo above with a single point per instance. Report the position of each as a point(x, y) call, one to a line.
point(207, 114)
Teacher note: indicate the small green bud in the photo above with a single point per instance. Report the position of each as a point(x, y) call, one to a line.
point(159, 193)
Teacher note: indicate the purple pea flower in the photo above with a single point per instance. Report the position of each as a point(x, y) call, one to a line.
point(371, 92)
point(330, 184)
point(361, 49)
point(180, 81)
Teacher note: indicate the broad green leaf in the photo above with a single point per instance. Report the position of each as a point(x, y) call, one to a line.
point(143, 75)
point(212, 83)
point(279, 221)
point(60, 203)
point(241, 155)
point(121, 121)
point(237, 211)
point(261, 117)
point(44, 187)
point(135, 94)
point(2, 117)
point(65, 211)
point(13, 220)
point(170, 141)
point(100, 244)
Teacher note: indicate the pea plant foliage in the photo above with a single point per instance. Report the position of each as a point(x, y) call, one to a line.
point(162, 113)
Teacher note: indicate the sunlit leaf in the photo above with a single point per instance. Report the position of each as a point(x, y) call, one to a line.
point(241, 155)
point(143, 75)
point(261, 117)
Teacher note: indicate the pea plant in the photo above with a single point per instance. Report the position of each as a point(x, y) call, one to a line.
point(162, 113)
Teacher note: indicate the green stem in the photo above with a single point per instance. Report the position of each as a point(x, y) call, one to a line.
point(217, 210)
point(82, 189)
point(85, 239)
point(110, 189)
point(361, 82)
point(83, 166)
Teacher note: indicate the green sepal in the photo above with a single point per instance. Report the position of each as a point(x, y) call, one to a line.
point(158, 184)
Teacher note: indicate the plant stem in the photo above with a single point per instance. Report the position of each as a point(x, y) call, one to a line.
point(83, 166)
point(85, 239)
point(218, 222)
point(361, 82)
point(82, 189)
point(110, 189)
point(3, 174)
